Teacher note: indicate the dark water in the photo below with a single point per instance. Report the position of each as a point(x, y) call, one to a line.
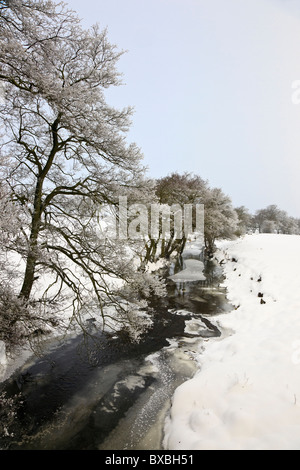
point(105, 392)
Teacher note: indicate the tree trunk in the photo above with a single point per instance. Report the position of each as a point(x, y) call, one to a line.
point(32, 255)
point(29, 276)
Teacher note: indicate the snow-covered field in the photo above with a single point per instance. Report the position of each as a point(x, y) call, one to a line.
point(246, 394)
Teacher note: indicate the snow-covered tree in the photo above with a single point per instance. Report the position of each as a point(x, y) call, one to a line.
point(220, 218)
point(245, 221)
point(174, 193)
point(67, 154)
point(274, 220)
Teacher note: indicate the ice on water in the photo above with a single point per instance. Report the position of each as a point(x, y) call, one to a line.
point(193, 271)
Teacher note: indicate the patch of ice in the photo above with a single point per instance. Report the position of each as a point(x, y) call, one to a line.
point(134, 381)
point(180, 312)
point(194, 326)
point(193, 271)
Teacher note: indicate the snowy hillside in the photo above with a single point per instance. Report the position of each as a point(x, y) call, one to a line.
point(246, 394)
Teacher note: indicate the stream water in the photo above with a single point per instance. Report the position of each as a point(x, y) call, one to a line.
point(109, 393)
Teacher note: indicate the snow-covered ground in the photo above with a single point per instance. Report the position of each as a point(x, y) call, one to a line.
point(246, 394)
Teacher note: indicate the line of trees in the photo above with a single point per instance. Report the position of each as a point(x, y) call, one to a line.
point(268, 220)
point(221, 219)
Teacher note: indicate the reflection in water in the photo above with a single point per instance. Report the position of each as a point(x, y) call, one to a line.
point(111, 394)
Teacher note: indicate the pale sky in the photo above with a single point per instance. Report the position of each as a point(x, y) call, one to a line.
point(211, 85)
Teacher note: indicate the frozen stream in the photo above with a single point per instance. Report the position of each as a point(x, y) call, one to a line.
point(111, 394)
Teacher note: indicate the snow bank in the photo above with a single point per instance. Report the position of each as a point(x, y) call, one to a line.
point(246, 394)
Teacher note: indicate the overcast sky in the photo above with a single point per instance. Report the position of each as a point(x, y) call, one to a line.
point(211, 84)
